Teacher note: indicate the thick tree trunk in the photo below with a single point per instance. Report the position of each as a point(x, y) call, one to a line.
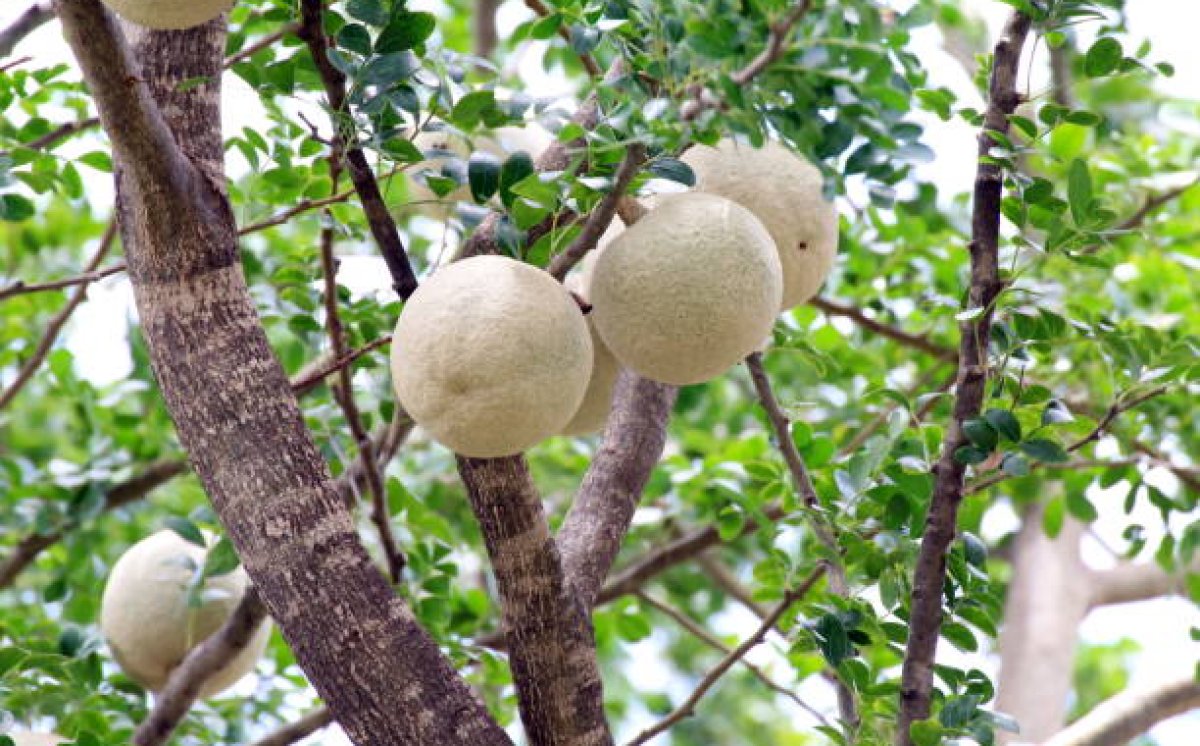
point(383, 677)
point(1047, 600)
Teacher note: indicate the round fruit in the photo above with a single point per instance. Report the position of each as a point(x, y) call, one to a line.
point(784, 192)
point(169, 14)
point(688, 290)
point(145, 617)
point(597, 401)
point(532, 139)
point(491, 356)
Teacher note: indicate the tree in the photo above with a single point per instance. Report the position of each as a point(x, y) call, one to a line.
point(1032, 346)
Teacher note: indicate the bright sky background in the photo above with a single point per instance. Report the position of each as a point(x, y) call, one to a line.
point(97, 333)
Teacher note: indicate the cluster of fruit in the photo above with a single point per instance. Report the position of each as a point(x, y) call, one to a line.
point(491, 355)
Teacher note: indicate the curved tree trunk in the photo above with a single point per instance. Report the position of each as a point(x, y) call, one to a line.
point(383, 677)
point(1047, 599)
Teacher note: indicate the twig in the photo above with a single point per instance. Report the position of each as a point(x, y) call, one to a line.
point(822, 528)
point(314, 373)
point(1117, 408)
point(20, 288)
point(688, 708)
point(589, 62)
point(941, 522)
point(302, 728)
point(776, 43)
point(702, 634)
point(600, 218)
point(1152, 203)
point(379, 217)
point(34, 17)
point(60, 133)
point(881, 419)
point(58, 321)
point(343, 394)
point(28, 548)
point(205, 660)
point(728, 582)
point(261, 44)
point(915, 341)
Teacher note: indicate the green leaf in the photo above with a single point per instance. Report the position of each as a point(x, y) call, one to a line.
point(221, 559)
point(406, 31)
point(981, 433)
point(356, 38)
point(958, 711)
point(1079, 190)
point(1102, 57)
point(14, 207)
point(1005, 423)
point(471, 107)
point(974, 549)
point(98, 160)
point(187, 530)
point(1014, 464)
point(971, 455)
point(483, 174)
point(1079, 506)
point(1045, 450)
point(833, 639)
point(371, 12)
point(1052, 517)
point(960, 637)
point(674, 170)
point(925, 732)
point(389, 69)
point(518, 166)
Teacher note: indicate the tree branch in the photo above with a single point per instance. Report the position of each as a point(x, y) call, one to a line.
point(34, 17)
point(20, 288)
point(688, 708)
point(302, 728)
point(25, 374)
point(591, 533)
point(708, 638)
point(379, 217)
point(941, 522)
point(1130, 582)
point(915, 341)
point(249, 51)
point(204, 661)
point(551, 648)
point(600, 218)
point(1122, 718)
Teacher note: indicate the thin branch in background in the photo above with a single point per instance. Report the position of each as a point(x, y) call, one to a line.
point(34, 17)
point(311, 375)
point(708, 638)
point(589, 62)
point(343, 394)
point(598, 221)
point(1125, 716)
point(915, 341)
point(34, 361)
point(1118, 407)
point(882, 418)
point(484, 36)
point(183, 687)
point(723, 578)
point(916, 688)
point(822, 527)
point(60, 133)
point(302, 728)
point(776, 45)
point(688, 708)
point(20, 288)
point(379, 217)
point(247, 52)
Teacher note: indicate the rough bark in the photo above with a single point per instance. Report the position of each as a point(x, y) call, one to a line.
point(591, 534)
point(941, 523)
point(1047, 600)
point(551, 647)
point(1122, 718)
point(361, 647)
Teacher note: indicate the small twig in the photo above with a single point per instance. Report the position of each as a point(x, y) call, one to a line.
point(261, 44)
point(343, 394)
point(708, 638)
point(600, 217)
point(302, 728)
point(34, 17)
point(379, 217)
point(314, 373)
point(58, 321)
point(776, 44)
point(724, 579)
point(205, 660)
point(915, 341)
point(20, 288)
point(688, 708)
point(882, 418)
point(1152, 203)
point(589, 62)
point(1116, 410)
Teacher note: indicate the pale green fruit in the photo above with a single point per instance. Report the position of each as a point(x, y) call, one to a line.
point(687, 291)
point(145, 618)
point(597, 401)
point(491, 356)
point(784, 191)
point(169, 14)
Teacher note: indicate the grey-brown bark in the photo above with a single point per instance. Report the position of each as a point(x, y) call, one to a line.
point(1120, 719)
point(941, 522)
point(34, 17)
point(1047, 599)
point(548, 628)
point(361, 647)
point(591, 534)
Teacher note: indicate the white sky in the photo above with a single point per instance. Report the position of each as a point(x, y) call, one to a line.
point(97, 333)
